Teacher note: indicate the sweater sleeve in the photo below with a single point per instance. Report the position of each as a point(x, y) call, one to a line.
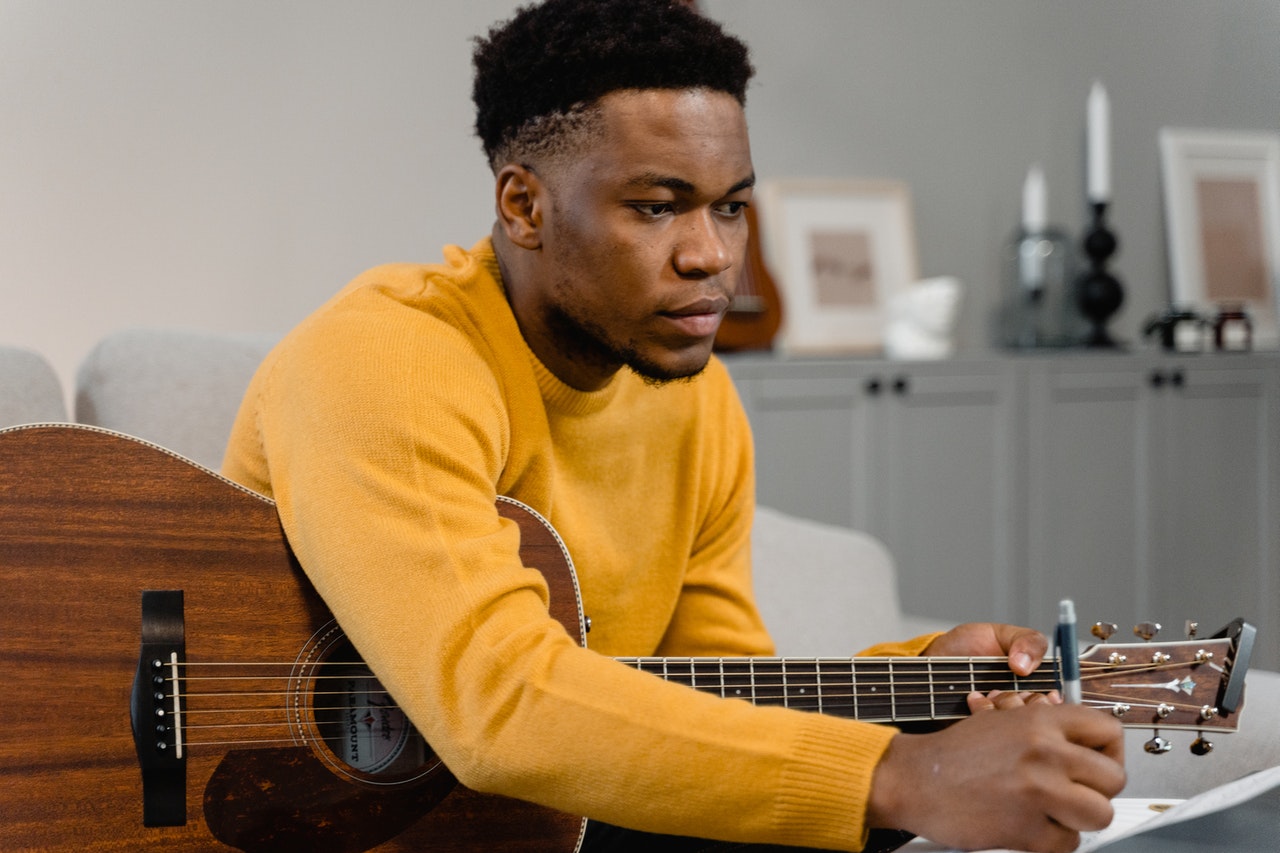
point(384, 478)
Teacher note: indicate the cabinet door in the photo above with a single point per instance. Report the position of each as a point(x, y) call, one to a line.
point(1211, 498)
point(804, 417)
point(942, 457)
point(1087, 424)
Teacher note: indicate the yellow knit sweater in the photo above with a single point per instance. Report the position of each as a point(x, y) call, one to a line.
point(385, 426)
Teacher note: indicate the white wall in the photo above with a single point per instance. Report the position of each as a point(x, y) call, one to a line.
point(226, 165)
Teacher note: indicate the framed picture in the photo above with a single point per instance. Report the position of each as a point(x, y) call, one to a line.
point(839, 250)
point(1222, 211)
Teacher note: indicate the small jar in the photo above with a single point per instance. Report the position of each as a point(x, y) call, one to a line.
point(1232, 329)
point(1179, 330)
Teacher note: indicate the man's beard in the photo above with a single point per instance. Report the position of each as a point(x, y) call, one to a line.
point(586, 342)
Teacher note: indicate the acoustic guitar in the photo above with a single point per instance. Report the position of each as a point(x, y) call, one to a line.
point(176, 684)
point(755, 314)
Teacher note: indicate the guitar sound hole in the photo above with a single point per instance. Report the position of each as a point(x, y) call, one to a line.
point(364, 732)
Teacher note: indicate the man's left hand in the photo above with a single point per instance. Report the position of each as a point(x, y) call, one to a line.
point(1024, 647)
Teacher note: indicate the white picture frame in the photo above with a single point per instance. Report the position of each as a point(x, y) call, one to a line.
point(839, 250)
point(1222, 216)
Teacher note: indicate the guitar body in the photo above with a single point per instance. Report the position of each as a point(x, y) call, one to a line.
point(755, 315)
point(88, 521)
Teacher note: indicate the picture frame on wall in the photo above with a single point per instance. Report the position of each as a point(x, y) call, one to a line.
point(1222, 215)
point(839, 250)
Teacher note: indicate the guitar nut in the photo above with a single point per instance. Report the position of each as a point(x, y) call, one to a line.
point(1208, 713)
point(1119, 709)
point(1163, 710)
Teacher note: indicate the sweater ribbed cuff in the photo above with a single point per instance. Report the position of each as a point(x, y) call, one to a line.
point(825, 790)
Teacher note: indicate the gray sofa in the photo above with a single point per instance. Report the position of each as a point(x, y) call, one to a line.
point(824, 590)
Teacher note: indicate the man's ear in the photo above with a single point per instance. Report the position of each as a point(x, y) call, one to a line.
point(521, 197)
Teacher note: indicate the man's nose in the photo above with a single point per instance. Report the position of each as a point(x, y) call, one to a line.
point(703, 250)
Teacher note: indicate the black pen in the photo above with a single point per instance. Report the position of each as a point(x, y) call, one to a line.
point(1068, 652)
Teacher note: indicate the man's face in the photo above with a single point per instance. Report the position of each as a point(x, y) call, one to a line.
point(644, 238)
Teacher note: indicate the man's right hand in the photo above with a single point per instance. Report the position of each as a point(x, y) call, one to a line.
point(1029, 777)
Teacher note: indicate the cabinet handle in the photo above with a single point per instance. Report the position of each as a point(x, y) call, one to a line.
point(873, 387)
point(901, 386)
point(1176, 378)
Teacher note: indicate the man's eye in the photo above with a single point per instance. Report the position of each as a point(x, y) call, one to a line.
point(733, 208)
point(655, 208)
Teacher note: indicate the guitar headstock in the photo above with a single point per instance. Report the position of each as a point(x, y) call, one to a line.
point(1195, 684)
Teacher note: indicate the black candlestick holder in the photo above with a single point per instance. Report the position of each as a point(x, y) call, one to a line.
point(1099, 294)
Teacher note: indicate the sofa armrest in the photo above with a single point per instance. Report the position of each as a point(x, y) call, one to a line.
point(824, 590)
point(1178, 773)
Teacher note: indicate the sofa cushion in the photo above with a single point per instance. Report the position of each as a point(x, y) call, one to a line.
point(178, 389)
point(29, 389)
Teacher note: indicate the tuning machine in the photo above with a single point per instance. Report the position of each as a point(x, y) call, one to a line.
point(1103, 630)
point(1147, 630)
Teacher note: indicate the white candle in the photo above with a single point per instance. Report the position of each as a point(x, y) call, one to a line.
point(1099, 151)
point(1034, 219)
point(1034, 201)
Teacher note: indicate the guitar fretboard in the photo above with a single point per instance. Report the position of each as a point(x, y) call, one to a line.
point(874, 690)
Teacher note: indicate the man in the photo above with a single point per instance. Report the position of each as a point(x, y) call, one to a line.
point(566, 361)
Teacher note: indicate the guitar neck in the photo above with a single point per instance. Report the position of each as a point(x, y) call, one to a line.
point(873, 690)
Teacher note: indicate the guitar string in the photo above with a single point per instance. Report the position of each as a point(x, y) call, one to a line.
point(870, 700)
point(726, 671)
point(299, 733)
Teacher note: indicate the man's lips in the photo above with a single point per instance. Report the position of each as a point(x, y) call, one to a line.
point(698, 319)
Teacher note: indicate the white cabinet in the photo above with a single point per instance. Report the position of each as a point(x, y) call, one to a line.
point(1144, 487)
point(1152, 490)
point(922, 456)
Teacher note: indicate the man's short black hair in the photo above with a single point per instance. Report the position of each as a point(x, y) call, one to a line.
point(560, 56)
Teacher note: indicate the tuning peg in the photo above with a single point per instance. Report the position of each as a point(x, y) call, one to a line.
point(1192, 629)
point(1103, 630)
point(1157, 745)
point(1147, 630)
point(1200, 746)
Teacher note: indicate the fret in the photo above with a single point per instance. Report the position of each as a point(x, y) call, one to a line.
point(738, 679)
point(835, 689)
point(708, 675)
point(893, 695)
point(874, 690)
point(769, 682)
point(800, 678)
point(993, 675)
point(853, 688)
point(678, 670)
point(914, 689)
point(933, 693)
point(953, 680)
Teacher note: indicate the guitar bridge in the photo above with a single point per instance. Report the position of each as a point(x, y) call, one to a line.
point(157, 707)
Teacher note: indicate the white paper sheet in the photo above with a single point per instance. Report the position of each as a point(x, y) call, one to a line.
point(1134, 816)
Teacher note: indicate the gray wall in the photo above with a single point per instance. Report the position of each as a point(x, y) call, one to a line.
point(227, 165)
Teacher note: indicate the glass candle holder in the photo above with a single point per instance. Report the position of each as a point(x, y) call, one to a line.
point(1038, 307)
